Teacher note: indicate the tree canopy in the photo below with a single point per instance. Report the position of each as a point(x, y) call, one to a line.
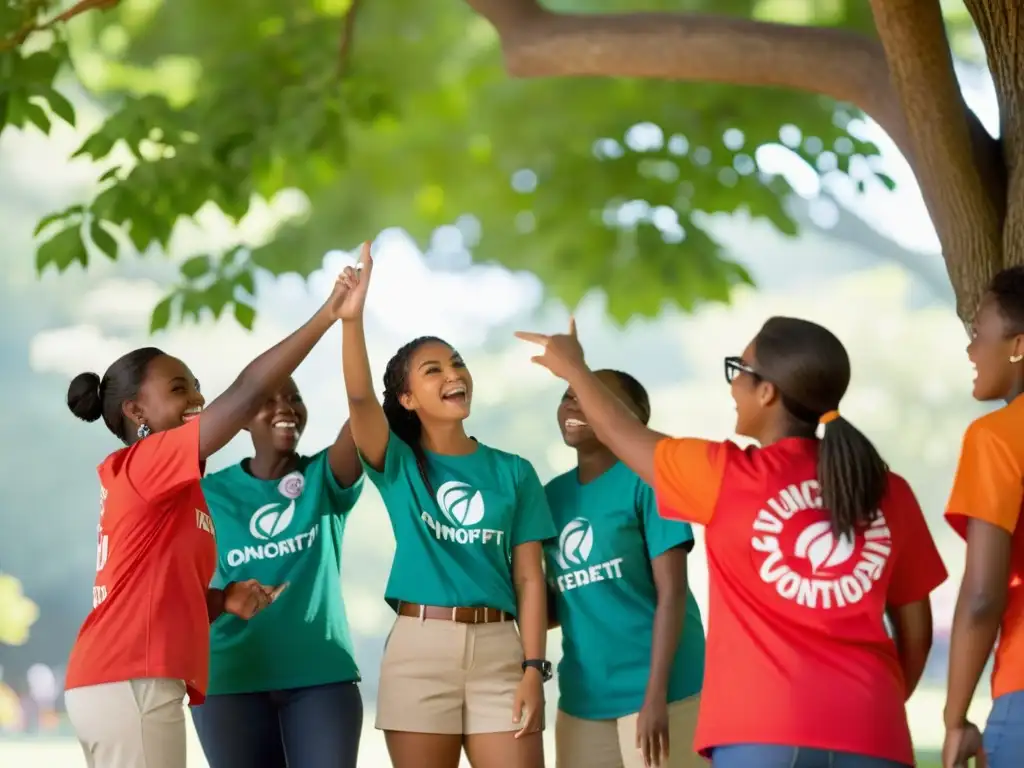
point(595, 165)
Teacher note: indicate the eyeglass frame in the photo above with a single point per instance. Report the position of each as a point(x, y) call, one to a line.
point(735, 363)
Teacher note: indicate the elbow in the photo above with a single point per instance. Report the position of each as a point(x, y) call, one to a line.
point(985, 606)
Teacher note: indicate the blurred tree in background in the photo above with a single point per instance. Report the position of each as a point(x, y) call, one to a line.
point(594, 166)
point(17, 612)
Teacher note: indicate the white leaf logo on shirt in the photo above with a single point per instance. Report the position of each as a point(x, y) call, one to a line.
point(575, 542)
point(460, 503)
point(270, 521)
point(818, 545)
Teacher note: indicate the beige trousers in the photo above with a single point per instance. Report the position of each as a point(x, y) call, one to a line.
point(612, 743)
point(131, 724)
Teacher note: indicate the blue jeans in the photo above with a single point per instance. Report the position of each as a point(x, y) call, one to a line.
point(774, 756)
point(1004, 731)
point(314, 727)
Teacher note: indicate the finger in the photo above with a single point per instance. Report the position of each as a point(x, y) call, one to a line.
point(276, 591)
point(572, 326)
point(349, 274)
point(535, 338)
point(981, 759)
point(656, 748)
point(664, 745)
point(645, 748)
point(365, 258)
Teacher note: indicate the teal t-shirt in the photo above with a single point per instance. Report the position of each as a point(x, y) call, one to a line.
point(599, 569)
point(454, 542)
point(276, 531)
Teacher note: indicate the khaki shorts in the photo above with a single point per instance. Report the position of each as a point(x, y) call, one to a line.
point(612, 743)
point(440, 676)
point(130, 724)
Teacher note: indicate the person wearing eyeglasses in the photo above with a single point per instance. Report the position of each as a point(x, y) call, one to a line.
point(984, 508)
point(811, 544)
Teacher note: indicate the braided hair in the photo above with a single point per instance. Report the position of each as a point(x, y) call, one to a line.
point(810, 368)
point(403, 422)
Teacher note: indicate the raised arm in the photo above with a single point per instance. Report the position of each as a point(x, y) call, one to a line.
point(229, 413)
point(344, 459)
point(612, 421)
point(369, 426)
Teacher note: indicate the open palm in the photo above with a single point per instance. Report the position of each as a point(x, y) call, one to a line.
point(350, 296)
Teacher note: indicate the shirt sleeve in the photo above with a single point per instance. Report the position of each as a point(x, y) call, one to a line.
point(163, 463)
point(340, 499)
point(661, 531)
point(917, 568)
point(533, 521)
point(688, 477)
point(397, 455)
point(988, 482)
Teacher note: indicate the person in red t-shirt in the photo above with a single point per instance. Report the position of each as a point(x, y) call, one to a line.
point(811, 544)
point(146, 641)
point(985, 509)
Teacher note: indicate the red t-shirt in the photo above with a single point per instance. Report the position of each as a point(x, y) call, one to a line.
point(156, 554)
point(797, 651)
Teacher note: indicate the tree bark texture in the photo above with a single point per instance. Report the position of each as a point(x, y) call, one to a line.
point(973, 185)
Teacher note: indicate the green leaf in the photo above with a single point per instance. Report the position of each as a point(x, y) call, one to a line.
point(60, 105)
point(103, 240)
point(110, 173)
point(38, 117)
point(97, 146)
point(161, 316)
point(74, 210)
point(887, 180)
point(196, 267)
point(62, 250)
point(246, 282)
point(245, 315)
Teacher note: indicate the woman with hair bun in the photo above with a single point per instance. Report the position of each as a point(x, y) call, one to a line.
point(811, 544)
point(146, 642)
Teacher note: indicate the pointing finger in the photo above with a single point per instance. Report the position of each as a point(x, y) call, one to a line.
point(536, 338)
point(365, 258)
point(572, 326)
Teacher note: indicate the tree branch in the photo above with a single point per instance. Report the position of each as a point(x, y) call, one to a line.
point(78, 8)
point(957, 165)
point(348, 29)
point(693, 47)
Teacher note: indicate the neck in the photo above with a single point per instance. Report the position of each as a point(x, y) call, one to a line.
point(271, 465)
point(447, 438)
point(592, 463)
point(1017, 391)
point(777, 432)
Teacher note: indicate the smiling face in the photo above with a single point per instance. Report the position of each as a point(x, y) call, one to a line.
point(990, 351)
point(168, 397)
point(438, 384)
point(576, 432)
point(280, 421)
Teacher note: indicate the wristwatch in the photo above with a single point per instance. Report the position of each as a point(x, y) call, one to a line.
point(541, 665)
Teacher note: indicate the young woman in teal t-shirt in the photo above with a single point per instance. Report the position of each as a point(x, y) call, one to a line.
point(632, 638)
point(469, 522)
point(284, 686)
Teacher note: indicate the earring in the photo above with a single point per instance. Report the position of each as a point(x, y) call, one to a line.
point(143, 430)
point(1016, 358)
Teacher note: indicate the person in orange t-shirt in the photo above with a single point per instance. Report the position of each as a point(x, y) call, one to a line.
point(984, 508)
point(146, 641)
point(811, 545)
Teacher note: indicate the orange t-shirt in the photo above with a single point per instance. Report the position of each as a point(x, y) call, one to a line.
point(156, 554)
point(796, 615)
point(989, 486)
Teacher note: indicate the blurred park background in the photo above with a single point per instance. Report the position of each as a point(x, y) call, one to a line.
point(501, 205)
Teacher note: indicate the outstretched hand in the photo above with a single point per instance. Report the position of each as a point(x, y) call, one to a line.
point(562, 353)
point(245, 599)
point(349, 296)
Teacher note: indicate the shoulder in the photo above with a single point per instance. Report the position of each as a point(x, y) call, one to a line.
point(222, 477)
point(556, 484)
point(519, 466)
point(307, 464)
point(1000, 425)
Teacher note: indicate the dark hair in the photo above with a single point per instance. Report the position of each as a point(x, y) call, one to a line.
point(403, 422)
point(811, 369)
point(1007, 289)
point(634, 391)
point(90, 397)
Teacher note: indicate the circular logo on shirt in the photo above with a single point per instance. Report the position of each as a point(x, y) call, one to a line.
point(460, 503)
point(575, 542)
point(291, 485)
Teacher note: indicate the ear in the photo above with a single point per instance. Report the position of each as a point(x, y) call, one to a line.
point(407, 401)
point(767, 393)
point(132, 412)
point(1018, 345)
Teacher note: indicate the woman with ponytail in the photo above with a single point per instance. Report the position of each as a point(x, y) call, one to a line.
point(811, 544)
point(469, 522)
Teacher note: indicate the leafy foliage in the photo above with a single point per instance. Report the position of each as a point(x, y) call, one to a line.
point(400, 114)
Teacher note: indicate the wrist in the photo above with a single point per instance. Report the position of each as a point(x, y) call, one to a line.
point(352, 322)
point(953, 719)
point(656, 694)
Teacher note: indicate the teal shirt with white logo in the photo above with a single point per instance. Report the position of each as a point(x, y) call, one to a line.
point(600, 571)
point(454, 542)
point(276, 531)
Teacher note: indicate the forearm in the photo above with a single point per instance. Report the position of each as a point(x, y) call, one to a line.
point(668, 628)
point(615, 425)
point(214, 603)
point(975, 628)
point(355, 362)
point(532, 599)
point(913, 657)
point(269, 371)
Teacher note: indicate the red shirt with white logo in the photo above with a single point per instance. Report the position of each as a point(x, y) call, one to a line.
point(155, 557)
point(797, 651)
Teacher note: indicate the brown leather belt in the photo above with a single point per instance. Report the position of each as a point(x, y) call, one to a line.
point(458, 615)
